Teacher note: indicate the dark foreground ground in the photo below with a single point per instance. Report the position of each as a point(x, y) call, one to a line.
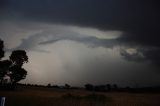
point(37, 96)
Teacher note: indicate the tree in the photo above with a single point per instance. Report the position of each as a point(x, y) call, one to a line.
point(49, 85)
point(19, 57)
point(12, 68)
point(115, 86)
point(89, 87)
point(67, 86)
point(17, 73)
point(4, 66)
point(1, 49)
point(109, 87)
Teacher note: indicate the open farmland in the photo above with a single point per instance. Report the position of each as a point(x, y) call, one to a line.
point(35, 96)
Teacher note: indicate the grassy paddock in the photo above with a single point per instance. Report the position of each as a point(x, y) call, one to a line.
point(36, 96)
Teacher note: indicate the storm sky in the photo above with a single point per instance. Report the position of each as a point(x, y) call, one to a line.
point(85, 41)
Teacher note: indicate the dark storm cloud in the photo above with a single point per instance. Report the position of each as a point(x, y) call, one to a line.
point(153, 54)
point(137, 56)
point(2, 3)
point(138, 18)
point(142, 54)
point(53, 36)
point(129, 51)
point(91, 41)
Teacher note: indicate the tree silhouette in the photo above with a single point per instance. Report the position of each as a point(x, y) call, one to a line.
point(89, 87)
point(12, 68)
point(49, 85)
point(19, 57)
point(115, 86)
point(17, 73)
point(109, 87)
point(1, 49)
point(4, 66)
point(67, 86)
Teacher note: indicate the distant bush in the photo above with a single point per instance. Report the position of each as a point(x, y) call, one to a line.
point(89, 87)
point(49, 85)
point(67, 86)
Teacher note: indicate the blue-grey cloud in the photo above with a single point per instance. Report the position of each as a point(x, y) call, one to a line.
point(138, 18)
point(142, 54)
point(47, 37)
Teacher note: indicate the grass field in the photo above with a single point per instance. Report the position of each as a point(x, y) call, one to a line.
point(37, 96)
